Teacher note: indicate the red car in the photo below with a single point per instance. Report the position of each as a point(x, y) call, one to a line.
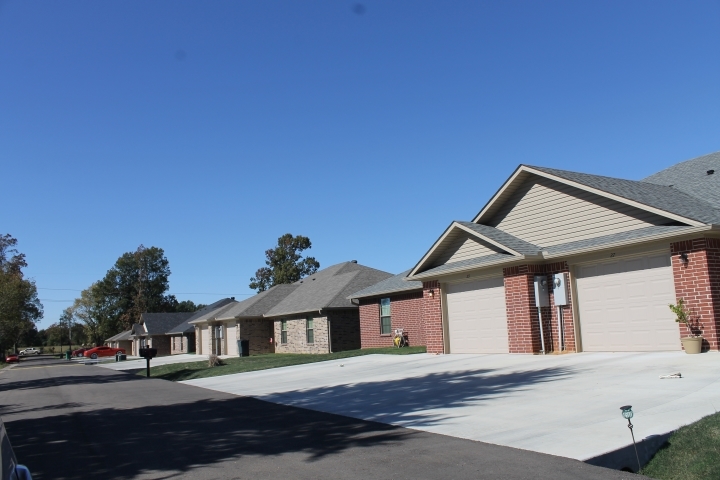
point(79, 352)
point(102, 352)
point(12, 358)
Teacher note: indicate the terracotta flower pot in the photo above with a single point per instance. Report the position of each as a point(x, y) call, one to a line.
point(692, 344)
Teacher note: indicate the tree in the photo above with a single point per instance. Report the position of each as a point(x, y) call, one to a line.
point(97, 312)
point(136, 284)
point(20, 307)
point(188, 306)
point(284, 263)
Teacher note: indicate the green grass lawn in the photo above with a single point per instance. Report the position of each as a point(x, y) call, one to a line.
point(187, 371)
point(693, 452)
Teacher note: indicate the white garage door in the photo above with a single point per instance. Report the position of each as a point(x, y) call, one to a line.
point(623, 305)
point(477, 322)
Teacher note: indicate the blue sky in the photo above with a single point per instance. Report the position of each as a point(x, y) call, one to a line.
point(209, 129)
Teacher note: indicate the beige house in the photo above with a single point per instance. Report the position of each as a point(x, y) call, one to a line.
point(312, 315)
point(122, 340)
point(568, 261)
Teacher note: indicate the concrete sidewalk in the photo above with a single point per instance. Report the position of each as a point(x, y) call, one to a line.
point(138, 364)
point(564, 405)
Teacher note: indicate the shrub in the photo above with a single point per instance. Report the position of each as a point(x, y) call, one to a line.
point(215, 361)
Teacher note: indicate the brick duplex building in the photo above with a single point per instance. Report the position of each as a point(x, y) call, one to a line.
point(620, 251)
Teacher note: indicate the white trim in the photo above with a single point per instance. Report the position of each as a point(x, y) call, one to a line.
point(489, 240)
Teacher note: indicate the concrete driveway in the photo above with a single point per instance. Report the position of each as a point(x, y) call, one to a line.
point(565, 405)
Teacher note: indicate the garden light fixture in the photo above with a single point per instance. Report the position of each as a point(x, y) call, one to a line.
point(627, 413)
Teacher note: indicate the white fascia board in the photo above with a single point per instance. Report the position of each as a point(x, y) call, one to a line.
point(500, 191)
point(691, 231)
point(489, 240)
point(432, 249)
point(617, 198)
point(509, 261)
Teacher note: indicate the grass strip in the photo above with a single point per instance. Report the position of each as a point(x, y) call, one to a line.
point(691, 453)
point(187, 371)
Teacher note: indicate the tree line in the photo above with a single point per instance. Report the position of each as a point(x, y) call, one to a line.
point(138, 282)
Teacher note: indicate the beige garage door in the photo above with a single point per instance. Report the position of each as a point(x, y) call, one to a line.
point(477, 322)
point(623, 305)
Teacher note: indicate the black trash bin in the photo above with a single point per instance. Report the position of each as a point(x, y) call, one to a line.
point(244, 348)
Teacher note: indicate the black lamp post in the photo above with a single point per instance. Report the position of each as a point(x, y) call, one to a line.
point(628, 414)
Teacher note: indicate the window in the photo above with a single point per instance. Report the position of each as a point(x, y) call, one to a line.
point(385, 316)
point(283, 331)
point(181, 343)
point(310, 330)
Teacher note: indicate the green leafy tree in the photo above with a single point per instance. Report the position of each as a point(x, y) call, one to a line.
point(284, 263)
point(137, 283)
point(188, 306)
point(20, 307)
point(97, 312)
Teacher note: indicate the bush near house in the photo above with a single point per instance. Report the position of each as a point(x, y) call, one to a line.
point(691, 453)
point(187, 371)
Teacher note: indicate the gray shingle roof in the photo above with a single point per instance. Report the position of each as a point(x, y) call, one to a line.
point(622, 237)
point(328, 288)
point(120, 336)
point(691, 177)
point(394, 284)
point(186, 327)
point(503, 238)
point(470, 263)
point(160, 323)
point(258, 305)
point(663, 197)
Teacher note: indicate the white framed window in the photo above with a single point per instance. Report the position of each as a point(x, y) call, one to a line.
point(283, 331)
point(385, 321)
point(310, 330)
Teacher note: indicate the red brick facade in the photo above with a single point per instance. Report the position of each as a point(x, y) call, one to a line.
point(405, 313)
point(697, 281)
point(432, 316)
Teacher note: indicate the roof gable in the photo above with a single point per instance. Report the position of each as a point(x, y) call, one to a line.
point(660, 200)
point(452, 246)
point(547, 212)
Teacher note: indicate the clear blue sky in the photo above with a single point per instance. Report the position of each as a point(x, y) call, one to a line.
point(209, 129)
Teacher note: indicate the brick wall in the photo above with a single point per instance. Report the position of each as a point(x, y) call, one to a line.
point(161, 342)
point(405, 313)
point(522, 314)
point(182, 343)
point(697, 282)
point(344, 329)
point(258, 332)
point(432, 317)
point(296, 336)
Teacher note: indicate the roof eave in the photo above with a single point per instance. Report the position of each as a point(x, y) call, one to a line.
point(691, 231)
point(469, 268)
point(385, 292)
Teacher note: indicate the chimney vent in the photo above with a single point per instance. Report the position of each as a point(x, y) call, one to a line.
point(353, 261)
point(710, 172)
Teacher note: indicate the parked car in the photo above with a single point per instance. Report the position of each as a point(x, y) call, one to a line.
point(12, 358)
point(11, 470)
point(102, 352)
point(30, 351)
point(80, 351)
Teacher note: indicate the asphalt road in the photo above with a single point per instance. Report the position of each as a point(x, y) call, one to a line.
point(76, 421)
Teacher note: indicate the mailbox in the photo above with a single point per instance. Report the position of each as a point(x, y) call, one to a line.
point(148, 353)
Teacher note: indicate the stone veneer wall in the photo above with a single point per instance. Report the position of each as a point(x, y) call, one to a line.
point(182, 343)
point(697, 282)
point(405, 313)
point(296, 335)
point(258, 332)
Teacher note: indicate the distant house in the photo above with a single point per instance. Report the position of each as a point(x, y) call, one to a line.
point(317, 316)
point(389, 305)
point(152, 331)
point(312, 315)
point(221, 331)
point(121, 340)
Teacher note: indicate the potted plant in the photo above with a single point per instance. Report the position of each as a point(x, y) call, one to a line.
point(683, 314)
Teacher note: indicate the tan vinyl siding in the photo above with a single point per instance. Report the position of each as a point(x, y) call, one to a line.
point(462, 247)
point(546, 212)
